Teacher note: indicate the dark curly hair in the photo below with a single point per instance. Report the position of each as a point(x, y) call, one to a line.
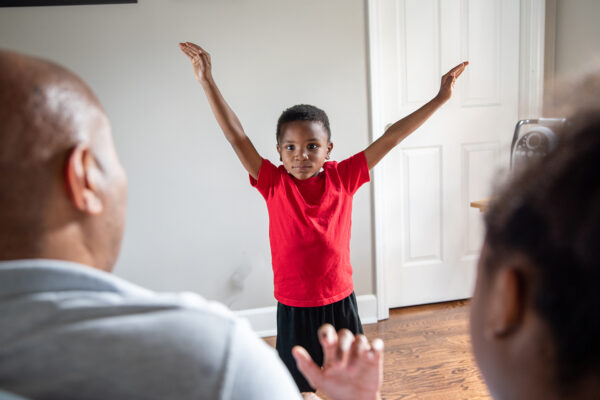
point(550, 213)
point(303, 112)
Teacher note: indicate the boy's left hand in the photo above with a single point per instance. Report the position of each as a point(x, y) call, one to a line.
point(449, 80)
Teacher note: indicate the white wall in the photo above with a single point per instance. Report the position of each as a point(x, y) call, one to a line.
point(194, 222)
point(577, 35)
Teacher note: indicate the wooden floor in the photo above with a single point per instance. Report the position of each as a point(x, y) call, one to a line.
point(428, 353)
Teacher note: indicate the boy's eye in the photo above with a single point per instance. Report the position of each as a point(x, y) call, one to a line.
point(289, 147)
point(312, 146)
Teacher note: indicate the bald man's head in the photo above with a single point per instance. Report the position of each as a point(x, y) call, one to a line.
point(60, 174)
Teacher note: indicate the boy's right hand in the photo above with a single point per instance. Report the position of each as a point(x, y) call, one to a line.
point(200, 61)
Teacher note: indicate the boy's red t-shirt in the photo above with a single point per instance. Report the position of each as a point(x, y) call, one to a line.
point(309, 230)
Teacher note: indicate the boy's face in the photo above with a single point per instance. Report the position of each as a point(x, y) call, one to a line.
point(304, 147)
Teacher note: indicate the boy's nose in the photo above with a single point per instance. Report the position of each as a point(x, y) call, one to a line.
point(302, 155)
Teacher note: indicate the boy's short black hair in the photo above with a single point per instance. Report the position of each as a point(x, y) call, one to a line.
point(550, 213)
point(303, 112)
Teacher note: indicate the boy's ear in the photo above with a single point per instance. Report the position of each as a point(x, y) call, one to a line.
point(329, 148)
point(508, 301)
point(82, 180)
point(279, 151)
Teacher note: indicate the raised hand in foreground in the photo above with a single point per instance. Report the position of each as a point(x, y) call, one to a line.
point(352, 368)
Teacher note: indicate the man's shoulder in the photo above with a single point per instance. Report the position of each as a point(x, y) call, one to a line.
point(170, 345)
point(178, 319)
point(187, 313)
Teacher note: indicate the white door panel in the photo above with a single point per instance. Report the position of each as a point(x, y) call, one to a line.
point(429, 235)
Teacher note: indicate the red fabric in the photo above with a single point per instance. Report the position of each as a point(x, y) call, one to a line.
point(309, 230)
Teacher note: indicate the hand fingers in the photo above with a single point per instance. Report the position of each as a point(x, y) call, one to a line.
point(205, 58)
point(193, 47)
point(187, 50)
point(195, 52)
point(329, 340)
point(360, 348)
point(460, 67)
point(307, 366)
point(376, 352)
point(345, 340)
point(196, 56)
point(336, 347)
point(455, 72)
point(196, 47)
point(184, 48)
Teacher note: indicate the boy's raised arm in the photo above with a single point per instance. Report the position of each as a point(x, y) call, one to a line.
point(228, 121)
point(407, 125)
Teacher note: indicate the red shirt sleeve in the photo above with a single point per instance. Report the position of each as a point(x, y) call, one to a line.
point(267, 178)
point(354, 172)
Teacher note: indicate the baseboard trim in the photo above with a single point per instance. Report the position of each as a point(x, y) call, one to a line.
point(263, 319)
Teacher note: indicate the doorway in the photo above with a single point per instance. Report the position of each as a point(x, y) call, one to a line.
point(427, 238)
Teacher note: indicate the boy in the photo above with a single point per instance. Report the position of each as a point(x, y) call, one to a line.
point(310, 206)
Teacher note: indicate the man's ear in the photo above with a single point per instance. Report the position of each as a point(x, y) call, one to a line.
point(82, 179)
point(507, 301)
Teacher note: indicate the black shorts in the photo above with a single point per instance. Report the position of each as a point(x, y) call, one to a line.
point(298, 326)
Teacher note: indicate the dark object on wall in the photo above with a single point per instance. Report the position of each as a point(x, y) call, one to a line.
point(534, 138)
point(37, 3)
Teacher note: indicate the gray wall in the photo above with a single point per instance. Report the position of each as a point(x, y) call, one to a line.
point(194, 223)
point(577, 36)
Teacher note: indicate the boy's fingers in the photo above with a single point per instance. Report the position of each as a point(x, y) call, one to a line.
point(460, 71)
point(188, 51)
point(457, 70)
point(183, 47)
point(306, 365)
point(205, 58)
point(195, 56)
point(195, 46)
point(459, 66)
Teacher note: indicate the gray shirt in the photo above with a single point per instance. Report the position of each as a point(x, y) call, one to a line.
point(68, 331)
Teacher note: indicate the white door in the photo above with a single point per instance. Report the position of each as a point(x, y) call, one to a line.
point(428, 237)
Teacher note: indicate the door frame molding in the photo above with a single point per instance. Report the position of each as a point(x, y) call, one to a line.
point(531, 87)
